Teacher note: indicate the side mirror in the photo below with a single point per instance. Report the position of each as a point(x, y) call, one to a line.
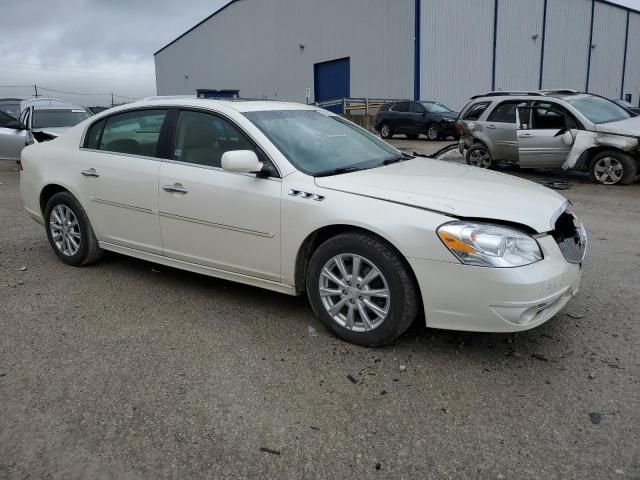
point(16, 125)
point(241, 161)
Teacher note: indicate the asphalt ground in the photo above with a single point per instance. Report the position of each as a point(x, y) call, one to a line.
point(127, 369)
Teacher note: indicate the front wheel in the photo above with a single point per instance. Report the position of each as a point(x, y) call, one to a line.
point(69, 231)
point(433, 133)
point(361, 289)
point(479, 156)
point(613, 168)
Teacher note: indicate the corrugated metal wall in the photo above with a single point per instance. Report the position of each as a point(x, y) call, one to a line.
point(457, 50)
point(519, 44)
point(607, 52)
point(632, 71)
point(253, 46)
point(566, 44)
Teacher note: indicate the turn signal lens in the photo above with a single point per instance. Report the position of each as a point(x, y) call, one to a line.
point(487, 245)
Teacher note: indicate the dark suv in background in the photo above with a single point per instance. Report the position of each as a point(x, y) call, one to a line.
point(414, 118)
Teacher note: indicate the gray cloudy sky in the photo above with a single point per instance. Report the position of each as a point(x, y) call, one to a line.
point(99, 46)
point(89, 46)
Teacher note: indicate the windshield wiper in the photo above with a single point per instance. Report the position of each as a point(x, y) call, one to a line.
point(338, 171)
point(397, 158)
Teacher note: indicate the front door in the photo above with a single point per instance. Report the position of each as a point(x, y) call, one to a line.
point(118, 171)
point(208, 216)
point(540, 141)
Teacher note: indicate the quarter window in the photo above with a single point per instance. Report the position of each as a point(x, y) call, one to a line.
point(476, 111)
point(202, 139)
point(93, 135)
point(134, 133)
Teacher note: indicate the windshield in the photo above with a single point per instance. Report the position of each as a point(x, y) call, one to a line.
point(598, 109)
point(12, 109)
point(435, 107)
point(57, 118)
point(319, 144)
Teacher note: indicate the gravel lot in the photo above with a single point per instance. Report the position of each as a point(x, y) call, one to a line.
point(127, 369)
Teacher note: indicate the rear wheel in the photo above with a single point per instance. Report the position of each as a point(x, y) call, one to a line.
point(361, 289)
point(478, 155)
point(69, 231)
point(613, 168)
point(385, 131)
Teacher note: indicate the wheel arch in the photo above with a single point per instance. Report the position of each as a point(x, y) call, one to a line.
point(49, 191)
point(322, 234)
point(586, 158)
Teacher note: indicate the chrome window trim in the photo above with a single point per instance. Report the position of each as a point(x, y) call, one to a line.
point(107, 152)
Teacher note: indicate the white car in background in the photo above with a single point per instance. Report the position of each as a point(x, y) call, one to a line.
point(295, 199)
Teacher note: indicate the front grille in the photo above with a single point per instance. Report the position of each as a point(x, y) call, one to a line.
point(571, 237)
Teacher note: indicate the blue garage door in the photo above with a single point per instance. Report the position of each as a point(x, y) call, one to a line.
point(332, 81)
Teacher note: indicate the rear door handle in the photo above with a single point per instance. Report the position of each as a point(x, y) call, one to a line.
point(491, 126)
point(526, 135)
point(175, 188)
point(90, 173)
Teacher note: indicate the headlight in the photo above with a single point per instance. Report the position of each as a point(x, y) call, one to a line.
point(486, 245)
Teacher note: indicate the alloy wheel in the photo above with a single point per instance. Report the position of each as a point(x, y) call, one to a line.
point(385, 131)
point(354, 292)
point(65, 230)
point(480, 158)
point(608, 170)
point(433, 133)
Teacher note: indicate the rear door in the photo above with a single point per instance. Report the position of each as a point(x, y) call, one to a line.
point(118, 178)
point(12, 140)
point(209, 216)
point(398, 117)
point(416, 118)
point(501, 126)
point(540, 128)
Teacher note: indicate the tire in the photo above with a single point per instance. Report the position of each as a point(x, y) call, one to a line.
point(63, 210)
point(400, 306)
point(611, 167)
point(478, 155)
point(412, 136)
point(386, 131)
point(433, 132)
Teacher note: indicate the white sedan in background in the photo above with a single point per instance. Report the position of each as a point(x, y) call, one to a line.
point(295, 199)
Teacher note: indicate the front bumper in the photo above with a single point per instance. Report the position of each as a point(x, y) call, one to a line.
point(482, 299)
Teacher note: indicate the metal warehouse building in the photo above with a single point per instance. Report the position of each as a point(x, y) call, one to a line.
point(444, 50)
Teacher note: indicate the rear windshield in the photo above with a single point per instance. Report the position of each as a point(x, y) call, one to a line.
point(598, 109)
point(58, 118)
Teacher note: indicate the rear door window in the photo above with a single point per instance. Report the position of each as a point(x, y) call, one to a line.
point(400, 107)
point(476, 111)
point(416, 108)
point(133, 133)
point(505, 112)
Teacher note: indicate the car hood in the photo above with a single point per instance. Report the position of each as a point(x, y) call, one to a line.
point(53, 131)
point(455, 190)
point(629, 126)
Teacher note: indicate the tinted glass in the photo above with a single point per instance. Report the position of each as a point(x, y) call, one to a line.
point(401, 107)
point(316, 143)
point(57, 118)
point(5, 119)
point(135, 133)
point(93, 135)
point(598, 109)
point(203, 139)
point(435, 107)
point(505, 112)
point(416, 108)
point(476, 111)
point(12, 109)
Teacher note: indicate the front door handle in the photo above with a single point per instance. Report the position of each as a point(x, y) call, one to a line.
point(175, 188)
point(90, 173)
point(526, 135)
point(491, 126)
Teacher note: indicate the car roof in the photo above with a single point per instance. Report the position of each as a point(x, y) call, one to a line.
point(43, 101)
point(59, 107)
point(239, 105)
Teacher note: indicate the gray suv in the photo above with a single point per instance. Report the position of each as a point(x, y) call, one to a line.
point(551, 128)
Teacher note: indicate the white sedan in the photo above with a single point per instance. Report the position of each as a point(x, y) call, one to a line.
point(296, 199)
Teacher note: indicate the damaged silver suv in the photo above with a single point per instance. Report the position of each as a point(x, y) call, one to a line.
point(552, 128)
